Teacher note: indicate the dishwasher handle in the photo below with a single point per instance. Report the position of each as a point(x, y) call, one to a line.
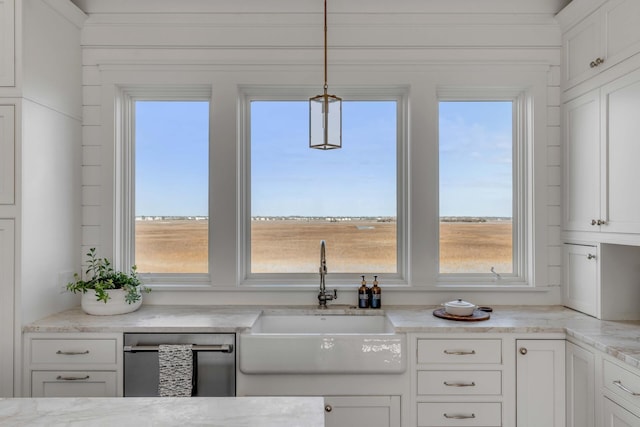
point(221, 348)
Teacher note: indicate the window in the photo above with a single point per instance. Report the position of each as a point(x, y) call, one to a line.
point(171, 185)
point(478, 194)
point(347, 197)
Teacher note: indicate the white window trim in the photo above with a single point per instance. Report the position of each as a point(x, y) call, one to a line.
point(400, 94)
point(523, 178)
point(124, 244)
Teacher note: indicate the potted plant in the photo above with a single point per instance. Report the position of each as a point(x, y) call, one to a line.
point(114, 292)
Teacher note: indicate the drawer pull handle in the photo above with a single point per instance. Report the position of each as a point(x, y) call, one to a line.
point(460, 352)
point(459, 417)
point(621, 386)
point(471, 384)
point(72, 353)
point(61, 378)
point(328, 408)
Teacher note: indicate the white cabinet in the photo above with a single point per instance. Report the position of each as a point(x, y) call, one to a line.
point(7, 331)
point(459, 381)
point(540, 383)
point(7, 154)
point(73, 365)
point(601, 280)
point(581, 282)
point(601, 149)
point(617, 416)
point(606, 37)
point(351, 400)
point(73, 384)
point(582, 48)
point(583, 163)
point(580, 386)
point(7, 42)
point(365, 411)
point(620, 393)
point(621, 383)
point(621, 105)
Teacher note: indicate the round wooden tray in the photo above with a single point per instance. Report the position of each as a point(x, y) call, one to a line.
point(475, 317)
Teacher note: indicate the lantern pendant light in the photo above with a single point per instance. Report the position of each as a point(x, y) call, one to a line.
point(325, 111)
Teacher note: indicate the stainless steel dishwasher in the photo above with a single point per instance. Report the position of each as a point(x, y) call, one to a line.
point(214, 367)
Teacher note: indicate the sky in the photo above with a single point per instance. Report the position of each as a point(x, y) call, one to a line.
point(288, 178)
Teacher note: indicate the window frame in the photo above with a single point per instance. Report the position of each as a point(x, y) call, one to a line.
point(399, 94)
point(522, 179)
point(125, 175)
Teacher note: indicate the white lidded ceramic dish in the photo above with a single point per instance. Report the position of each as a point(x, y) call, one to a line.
point(459, 308)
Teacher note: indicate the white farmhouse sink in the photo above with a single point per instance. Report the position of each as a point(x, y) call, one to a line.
point(297, 344)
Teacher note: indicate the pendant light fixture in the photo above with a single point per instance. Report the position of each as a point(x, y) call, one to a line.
point(325, 111)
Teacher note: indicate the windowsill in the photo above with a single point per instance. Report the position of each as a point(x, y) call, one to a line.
point(195, 287)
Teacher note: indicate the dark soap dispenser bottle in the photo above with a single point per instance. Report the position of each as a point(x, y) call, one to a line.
point(363, 295)
point(376, 294)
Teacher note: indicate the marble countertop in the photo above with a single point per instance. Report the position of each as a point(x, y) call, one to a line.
point(164, 411)
point(621, 339)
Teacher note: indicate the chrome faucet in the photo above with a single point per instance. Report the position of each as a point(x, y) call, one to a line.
point(323, 296)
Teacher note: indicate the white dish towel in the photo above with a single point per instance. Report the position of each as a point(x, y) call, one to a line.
point(176, 370)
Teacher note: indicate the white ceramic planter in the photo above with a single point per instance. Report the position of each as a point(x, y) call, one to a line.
point(115, 305)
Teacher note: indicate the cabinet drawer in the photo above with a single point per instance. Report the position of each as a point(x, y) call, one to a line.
point(459, 351)
point(73, 351)
point(459, 414)
point(73, 383)
point(459, 382)
point(621, 382)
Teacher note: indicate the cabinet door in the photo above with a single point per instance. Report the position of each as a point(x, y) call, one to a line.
point(73, 384)
point(582, 162)
point(7, 43)
point(617, 416)
point(362, 411)
point(581, 278)
point(7, 149)
point(6, 307)
point(621, 100)
point(540, 383)
point(622, 33)
point(581, 46)
point(581, 402)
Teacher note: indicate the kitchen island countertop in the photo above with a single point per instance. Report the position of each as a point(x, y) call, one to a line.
point(164, 411)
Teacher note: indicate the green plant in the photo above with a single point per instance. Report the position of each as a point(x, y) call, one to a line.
point(101, 277)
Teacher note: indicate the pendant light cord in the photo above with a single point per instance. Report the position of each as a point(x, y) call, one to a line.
point(325, 47)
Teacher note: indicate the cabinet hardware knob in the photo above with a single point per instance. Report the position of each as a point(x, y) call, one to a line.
point(471, 384)
point(591, 256)
point(460, 352)
point(594, 222)
point(72, 353)
point(602, 222)
point(328, 408)
point(596, 62)
point(621, 386)
point(459, 417)
point(523, 350)
point(61, 378)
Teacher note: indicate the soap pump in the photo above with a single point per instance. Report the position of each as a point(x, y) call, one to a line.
point(363, 294)
point(376, 294)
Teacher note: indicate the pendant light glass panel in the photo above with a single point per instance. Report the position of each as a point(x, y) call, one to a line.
point(325, 122)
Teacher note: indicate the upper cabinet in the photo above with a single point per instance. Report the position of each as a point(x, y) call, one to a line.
point(601, 150)
point(582, 154)
point(7, 43)
point(604, 38)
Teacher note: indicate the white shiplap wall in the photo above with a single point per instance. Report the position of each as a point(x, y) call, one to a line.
point(406, 42)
